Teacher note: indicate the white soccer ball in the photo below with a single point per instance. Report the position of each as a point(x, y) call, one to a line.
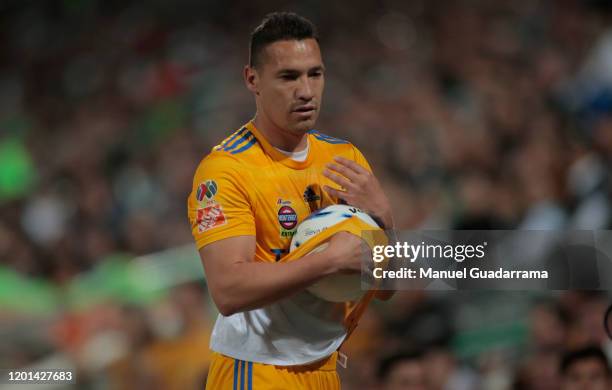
point(338, 287)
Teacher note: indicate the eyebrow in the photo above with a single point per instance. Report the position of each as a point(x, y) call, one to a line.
point(318, 68)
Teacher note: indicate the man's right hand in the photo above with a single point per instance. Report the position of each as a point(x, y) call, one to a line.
point(347, 251)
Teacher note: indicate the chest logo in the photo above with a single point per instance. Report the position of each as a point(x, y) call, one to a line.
point(311, 195)
point(287, 217)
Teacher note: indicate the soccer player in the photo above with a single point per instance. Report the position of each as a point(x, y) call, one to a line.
point(249, 195)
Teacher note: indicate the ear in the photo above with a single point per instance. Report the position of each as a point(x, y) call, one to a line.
point(251, 79)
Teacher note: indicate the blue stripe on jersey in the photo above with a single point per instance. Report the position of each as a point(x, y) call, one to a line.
point(250, 384)
point(330, 140)
point(233, 136)
point(235, 374)
point(242, 375)
point(230, 139)
point(327, 138)
point(246, 146)
point(245, 134)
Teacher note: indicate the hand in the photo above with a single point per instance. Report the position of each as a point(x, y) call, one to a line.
point(360, 189)
point(347, 251)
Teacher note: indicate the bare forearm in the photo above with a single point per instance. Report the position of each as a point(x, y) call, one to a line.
point(250, 285)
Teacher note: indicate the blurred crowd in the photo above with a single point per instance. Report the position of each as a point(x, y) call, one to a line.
point(416, 343)
point(474, 114)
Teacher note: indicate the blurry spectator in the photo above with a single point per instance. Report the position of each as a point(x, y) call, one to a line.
point(403, 371)
point(181, 362)
point(129, 372)
point(586, 369)
point(548, 328)
point(586, 327)
point(365, 344)
point(416, 319)
point(539, 372)
point(444, 372)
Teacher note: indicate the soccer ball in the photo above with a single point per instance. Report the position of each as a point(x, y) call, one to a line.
point(338, 287)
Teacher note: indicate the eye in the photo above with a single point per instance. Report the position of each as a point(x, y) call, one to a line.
point(288, 77)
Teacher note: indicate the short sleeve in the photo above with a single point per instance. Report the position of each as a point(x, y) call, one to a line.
point(219, 206)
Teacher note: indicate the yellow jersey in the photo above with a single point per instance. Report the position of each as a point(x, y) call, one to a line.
point(245, 186)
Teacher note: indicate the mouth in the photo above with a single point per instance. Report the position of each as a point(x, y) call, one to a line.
point(307, 109)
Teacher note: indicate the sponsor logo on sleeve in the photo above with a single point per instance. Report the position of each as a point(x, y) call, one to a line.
point(206, 190)
point(210, 217)
point(210, 213)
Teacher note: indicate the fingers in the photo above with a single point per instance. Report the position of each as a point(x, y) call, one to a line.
point(351, 176)
point(355, 173)
point(349, 173)
point(338, 179)
point(352, 165)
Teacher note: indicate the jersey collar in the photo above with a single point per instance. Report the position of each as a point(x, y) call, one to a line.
point(278, 156)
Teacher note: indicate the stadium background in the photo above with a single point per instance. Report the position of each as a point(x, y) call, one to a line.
point(474, 114)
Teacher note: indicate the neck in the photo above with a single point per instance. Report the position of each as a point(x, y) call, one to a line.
point(280, 138)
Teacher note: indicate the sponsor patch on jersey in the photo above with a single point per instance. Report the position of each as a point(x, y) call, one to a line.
point(310, 194)
point(210, 217)
point(207, 190)
point(312, 232)
point(287, 233)
point(287, 217)
point(282, 202)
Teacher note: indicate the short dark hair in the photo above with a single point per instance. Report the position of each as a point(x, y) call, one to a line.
point(589, 352)
point(279, 26)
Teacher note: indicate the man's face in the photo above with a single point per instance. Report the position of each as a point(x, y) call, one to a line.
point(289, 84)
point(588, 374)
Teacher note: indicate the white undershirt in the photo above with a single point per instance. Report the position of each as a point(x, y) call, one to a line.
point(300, 156)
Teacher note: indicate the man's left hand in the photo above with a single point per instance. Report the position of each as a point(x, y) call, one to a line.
point(360, 188)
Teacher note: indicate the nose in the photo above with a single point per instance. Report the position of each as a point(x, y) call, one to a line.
point(304, 90)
